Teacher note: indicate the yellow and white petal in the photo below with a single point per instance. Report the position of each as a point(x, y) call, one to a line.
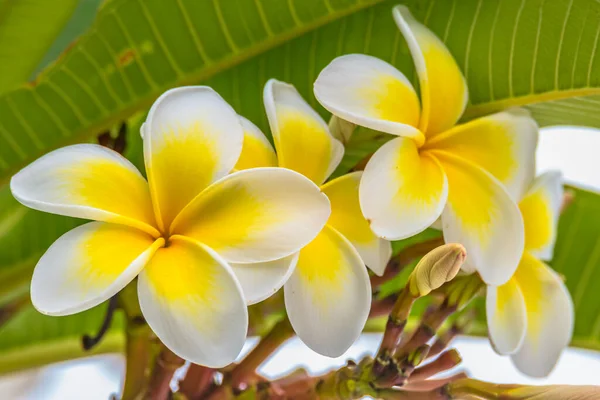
point(369, 92)
point(190, 298)
point(88, 265)
point(481, 216)
point(506, 317)
point(256, 215)
point(260, 281)
point(402, 192)
point(503, 144)
point(346, 217)
point(257, 151)
point(302, 139)
point(86, 181)
point(328, 296)
point(192, 138)
point(444, 91)
point(541, 208)
point(550, 317)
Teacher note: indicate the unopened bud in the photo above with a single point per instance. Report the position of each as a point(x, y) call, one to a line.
point(341, 129)
point(436, 268)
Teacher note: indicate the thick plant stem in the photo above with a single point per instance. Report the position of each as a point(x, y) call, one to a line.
point(165, 365)
point(139, 347)
point(245, 372)
point(139, 354)
point(196, 382)
point(393, 329)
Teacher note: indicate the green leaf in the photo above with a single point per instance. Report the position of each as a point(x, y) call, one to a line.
point(31, 339)
point(27, 30)
point(513, 52)
point(577, 258)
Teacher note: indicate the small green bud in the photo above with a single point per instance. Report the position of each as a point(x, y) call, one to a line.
point(436, 268)
point(341, 129)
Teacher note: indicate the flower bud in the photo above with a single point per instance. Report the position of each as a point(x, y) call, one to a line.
point(436, 268)
point(341, 129)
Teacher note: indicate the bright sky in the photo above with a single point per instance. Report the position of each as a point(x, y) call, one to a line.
point(574, 151)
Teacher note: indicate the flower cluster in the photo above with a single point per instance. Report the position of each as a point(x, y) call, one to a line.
point(225, 220)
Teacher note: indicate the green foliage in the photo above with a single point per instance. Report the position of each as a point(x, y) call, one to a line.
point(27, 30)
point(577, 258)
point(542, 54)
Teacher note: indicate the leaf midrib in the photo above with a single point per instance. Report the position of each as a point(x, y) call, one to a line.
point(481, 109)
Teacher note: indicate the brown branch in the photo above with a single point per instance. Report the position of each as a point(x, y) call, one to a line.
point(197, 381)
point(165, 365)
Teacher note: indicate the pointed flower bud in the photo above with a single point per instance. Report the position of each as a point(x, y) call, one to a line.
point(436, 268)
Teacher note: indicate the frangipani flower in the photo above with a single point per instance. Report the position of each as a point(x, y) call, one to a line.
point(435, 167)
point(179, 231)
point(531, 316)
point(328, 293)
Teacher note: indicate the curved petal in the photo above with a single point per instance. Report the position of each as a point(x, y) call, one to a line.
point(190, 298)
point(402, 192)
point(192, 138)
point(369, 92)
point(88, 265)
point(346, 217)
point(260, 281)
point(328, 296)
point(256, 215)
point(481, 216)
point(86, 181)
point(257, 151)
point(550, 317)
point(540, 208)
point(301, 137)
point(506, 316)
point(503, 144)
point(444, 91)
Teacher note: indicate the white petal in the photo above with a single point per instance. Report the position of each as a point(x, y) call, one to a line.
point(540, 208)
point(402, 192)
point(88, 265)
point(262, 280)
point(86, 181)
point(257, 151)
point(506, 316)
point(328, 296)
point(550, 317)
point(481, 216)
point(513, 136)
point(256, 215)
point(444, 93)
point(190, 298)
point(192, 138)
point(369, 92)
point(301, 137)
point(346, 217)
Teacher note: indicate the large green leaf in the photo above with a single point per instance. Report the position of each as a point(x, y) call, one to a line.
point(513, 52)
point(27, 31)
point(577, 258)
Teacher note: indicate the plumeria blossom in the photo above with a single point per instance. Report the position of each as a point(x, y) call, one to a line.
point(327, 290)
point(531, 316)
point(470, 174)
point(179, 231)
